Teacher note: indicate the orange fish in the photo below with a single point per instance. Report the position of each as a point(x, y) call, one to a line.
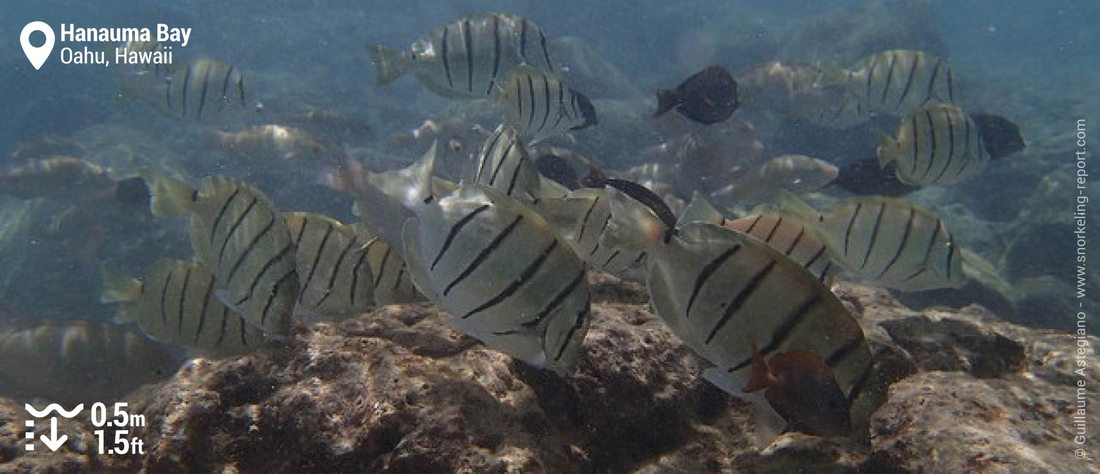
point(801, 388)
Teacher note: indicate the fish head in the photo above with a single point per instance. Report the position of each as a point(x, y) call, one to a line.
point(804, 391)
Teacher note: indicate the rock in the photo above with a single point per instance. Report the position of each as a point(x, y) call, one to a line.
point(398, 390)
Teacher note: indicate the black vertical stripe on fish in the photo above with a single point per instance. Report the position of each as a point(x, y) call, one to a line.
point(932, 141)
point(848, 233)
point(316, 256)
point(950, 252)
point(225, 319)
point(825, 272)
point(485, 252)
point(382, 268)
point(606, 221)
point(775, 227)
point(202, 98)
point(270, 262)
point(500, 164)
point(909, 82)
point(950, 85)
point(587, 214)
point(546, 94)
point(451, 234)
point(916, 145)
point(240, 88)
point(397, 281)
point(844, 350)
point(205, 305)
point(610, 258)
point(874, 234)
point(225, 88)
point(889, 78)
point(301, 231)
point(467, 40)
point(966, 149)
point(241, 330)
point(183, 91)
point(251, 245)
point(871, 75)
point(740, 298)
point(545, 52)
point(164, 300)
point(531, 91)
point(783, 330)
point(221, 213)
point(857, 387)
point(556, 301)
point(523, 39)
point(577, 324)
point(516, 283)
point(950, 148)
point(355, 274)
point(705, 274)
point(233, 229)
point(271, 296)
point(901, 246)
point(932, 81)
point(336, 271)
point(794, 243)
point(484, 159)
point(182, 300)
point(637, 260)
point(515, 176)
point(755, 220)
point(496, 53)
point(820, 252)
point(519, 98)
point(446, 60)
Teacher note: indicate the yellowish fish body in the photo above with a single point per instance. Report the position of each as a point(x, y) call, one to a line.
point(334, 272)
point(504, 164)
point(540, 105)
point(937, 145)
point(901, 81)
point(175, 303)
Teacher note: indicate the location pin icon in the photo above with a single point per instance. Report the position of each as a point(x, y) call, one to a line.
point(37, 55)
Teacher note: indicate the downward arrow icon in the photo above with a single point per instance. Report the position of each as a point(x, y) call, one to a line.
point(53, 441)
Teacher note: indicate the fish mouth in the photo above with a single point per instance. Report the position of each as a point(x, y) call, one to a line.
point(587, 110)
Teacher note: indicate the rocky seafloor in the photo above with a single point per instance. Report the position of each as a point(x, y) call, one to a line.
point(398, 390)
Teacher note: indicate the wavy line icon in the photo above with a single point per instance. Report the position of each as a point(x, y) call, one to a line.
point(53, 407)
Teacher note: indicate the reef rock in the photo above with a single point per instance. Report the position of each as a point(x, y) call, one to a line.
point(398, 390)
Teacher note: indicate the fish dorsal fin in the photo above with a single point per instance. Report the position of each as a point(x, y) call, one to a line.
point(795, 208)
point(411, 186)
point(700, 210)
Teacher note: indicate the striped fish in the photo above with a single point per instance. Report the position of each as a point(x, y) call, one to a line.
point(240, 236)
point(505, 165)
point(391, 284)
point(723, 292)
point(582, 219)
point(175, 303)
point(885, 241)
point(937, 145)
point(334, 273)
point(499, 268)
point(201, 90)
point(902, 81)
point(468, 57)
point(787, 236)
point(540, 105)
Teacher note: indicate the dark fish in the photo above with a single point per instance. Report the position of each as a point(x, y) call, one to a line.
point(709, 96)
point(866, 177)
point(648, 198)
point(800, 386)
point(1000, 135)
point(568, 168)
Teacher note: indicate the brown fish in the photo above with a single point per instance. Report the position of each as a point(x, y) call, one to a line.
point(281, 141)
point(61, 177)
point(709, 96)
point(800, 386)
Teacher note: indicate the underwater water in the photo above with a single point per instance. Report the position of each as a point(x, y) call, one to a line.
point(279, 237)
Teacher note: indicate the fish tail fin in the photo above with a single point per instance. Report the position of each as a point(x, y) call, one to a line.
point(169, 196)
point(390, 63)
point(632, 225)
point(795, 208)
point(700, 210)
point(887, 150)
point(666, 100)
point(119, 287)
